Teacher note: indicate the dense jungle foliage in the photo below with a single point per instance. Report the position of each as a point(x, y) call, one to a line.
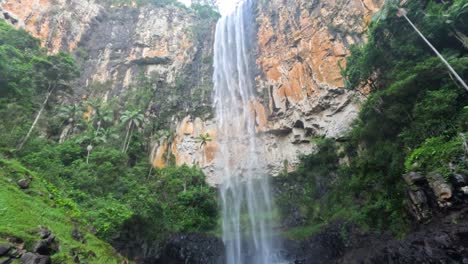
point(415, 118)
point(93, 176)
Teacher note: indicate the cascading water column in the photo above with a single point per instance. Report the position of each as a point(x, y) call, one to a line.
point(245, 194)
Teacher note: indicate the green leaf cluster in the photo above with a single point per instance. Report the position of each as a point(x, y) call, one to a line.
point(89, 175)
point(411, 120)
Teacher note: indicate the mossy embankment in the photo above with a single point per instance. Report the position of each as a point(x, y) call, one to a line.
point(24, 211)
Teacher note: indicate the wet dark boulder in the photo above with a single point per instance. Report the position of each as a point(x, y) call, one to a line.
point(24, 183)
point(444, 240)
point(325, 247)
point(192, 249)
point(4, 249)
point(138, 240)
point(77, 235)
point(47, 245)
point(31, 258)
point(44, 232)
point(435, 243)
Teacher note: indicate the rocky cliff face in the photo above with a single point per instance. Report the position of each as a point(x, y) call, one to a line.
point(60, 24)
point(117, 46)
point(301, 45)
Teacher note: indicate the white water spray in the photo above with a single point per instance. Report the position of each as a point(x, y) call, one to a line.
point(246, 200)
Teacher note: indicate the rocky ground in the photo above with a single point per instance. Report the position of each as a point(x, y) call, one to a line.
point(443, 241)
point(44, 247)
point(439, 234)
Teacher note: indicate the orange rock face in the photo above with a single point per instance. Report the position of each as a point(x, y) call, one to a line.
point(186, 147)
point(302, 44)
point(159, 157)
point(260, 115)
point(58, 23)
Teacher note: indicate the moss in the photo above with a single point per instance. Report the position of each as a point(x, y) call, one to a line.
point(435, 154)
point(303, 232)
point(23, 211)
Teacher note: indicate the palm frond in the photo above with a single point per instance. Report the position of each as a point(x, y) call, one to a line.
point(462, 38)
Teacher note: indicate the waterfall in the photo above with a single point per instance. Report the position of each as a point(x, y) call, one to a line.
point(247, 205)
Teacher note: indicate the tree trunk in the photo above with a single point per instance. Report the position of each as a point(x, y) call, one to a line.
point(65, 132)
point(38, 116)
point(150, 171)
point(129, 140)
point(465, 144)
point(126, 136)
point(87, 157)
point(435, 51)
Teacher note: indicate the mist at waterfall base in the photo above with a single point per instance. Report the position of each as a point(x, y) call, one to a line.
point(247, 206)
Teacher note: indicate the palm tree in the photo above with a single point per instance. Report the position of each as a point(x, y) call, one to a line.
point(203, 139)
point(91, 140)
point(133, 119)
point(69, 114)
point(107, 134)
point(102, 115)
point(96, 137)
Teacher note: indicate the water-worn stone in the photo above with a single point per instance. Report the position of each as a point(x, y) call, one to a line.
point(460, 180)
point(442, 241)
point(4, 250)
point(31, 258)
point(46, 246)
point(44, 232)
point(441, 188)
point(24, 183)
point(414, 178)
point(77, 235)
point(464, 190)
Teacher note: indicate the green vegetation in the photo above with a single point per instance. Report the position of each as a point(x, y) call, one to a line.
point(435, 154)
point(203, 139)
point(158, 3)
point(204, 11)
point(89, 161)
point(112, 193)
point(415, 118)
point(22, 212)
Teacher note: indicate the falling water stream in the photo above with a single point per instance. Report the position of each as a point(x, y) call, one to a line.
point(246, 200)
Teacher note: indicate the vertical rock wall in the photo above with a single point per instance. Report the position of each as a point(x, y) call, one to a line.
point(116, 45)
point(60, 24)
point(301, 45)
